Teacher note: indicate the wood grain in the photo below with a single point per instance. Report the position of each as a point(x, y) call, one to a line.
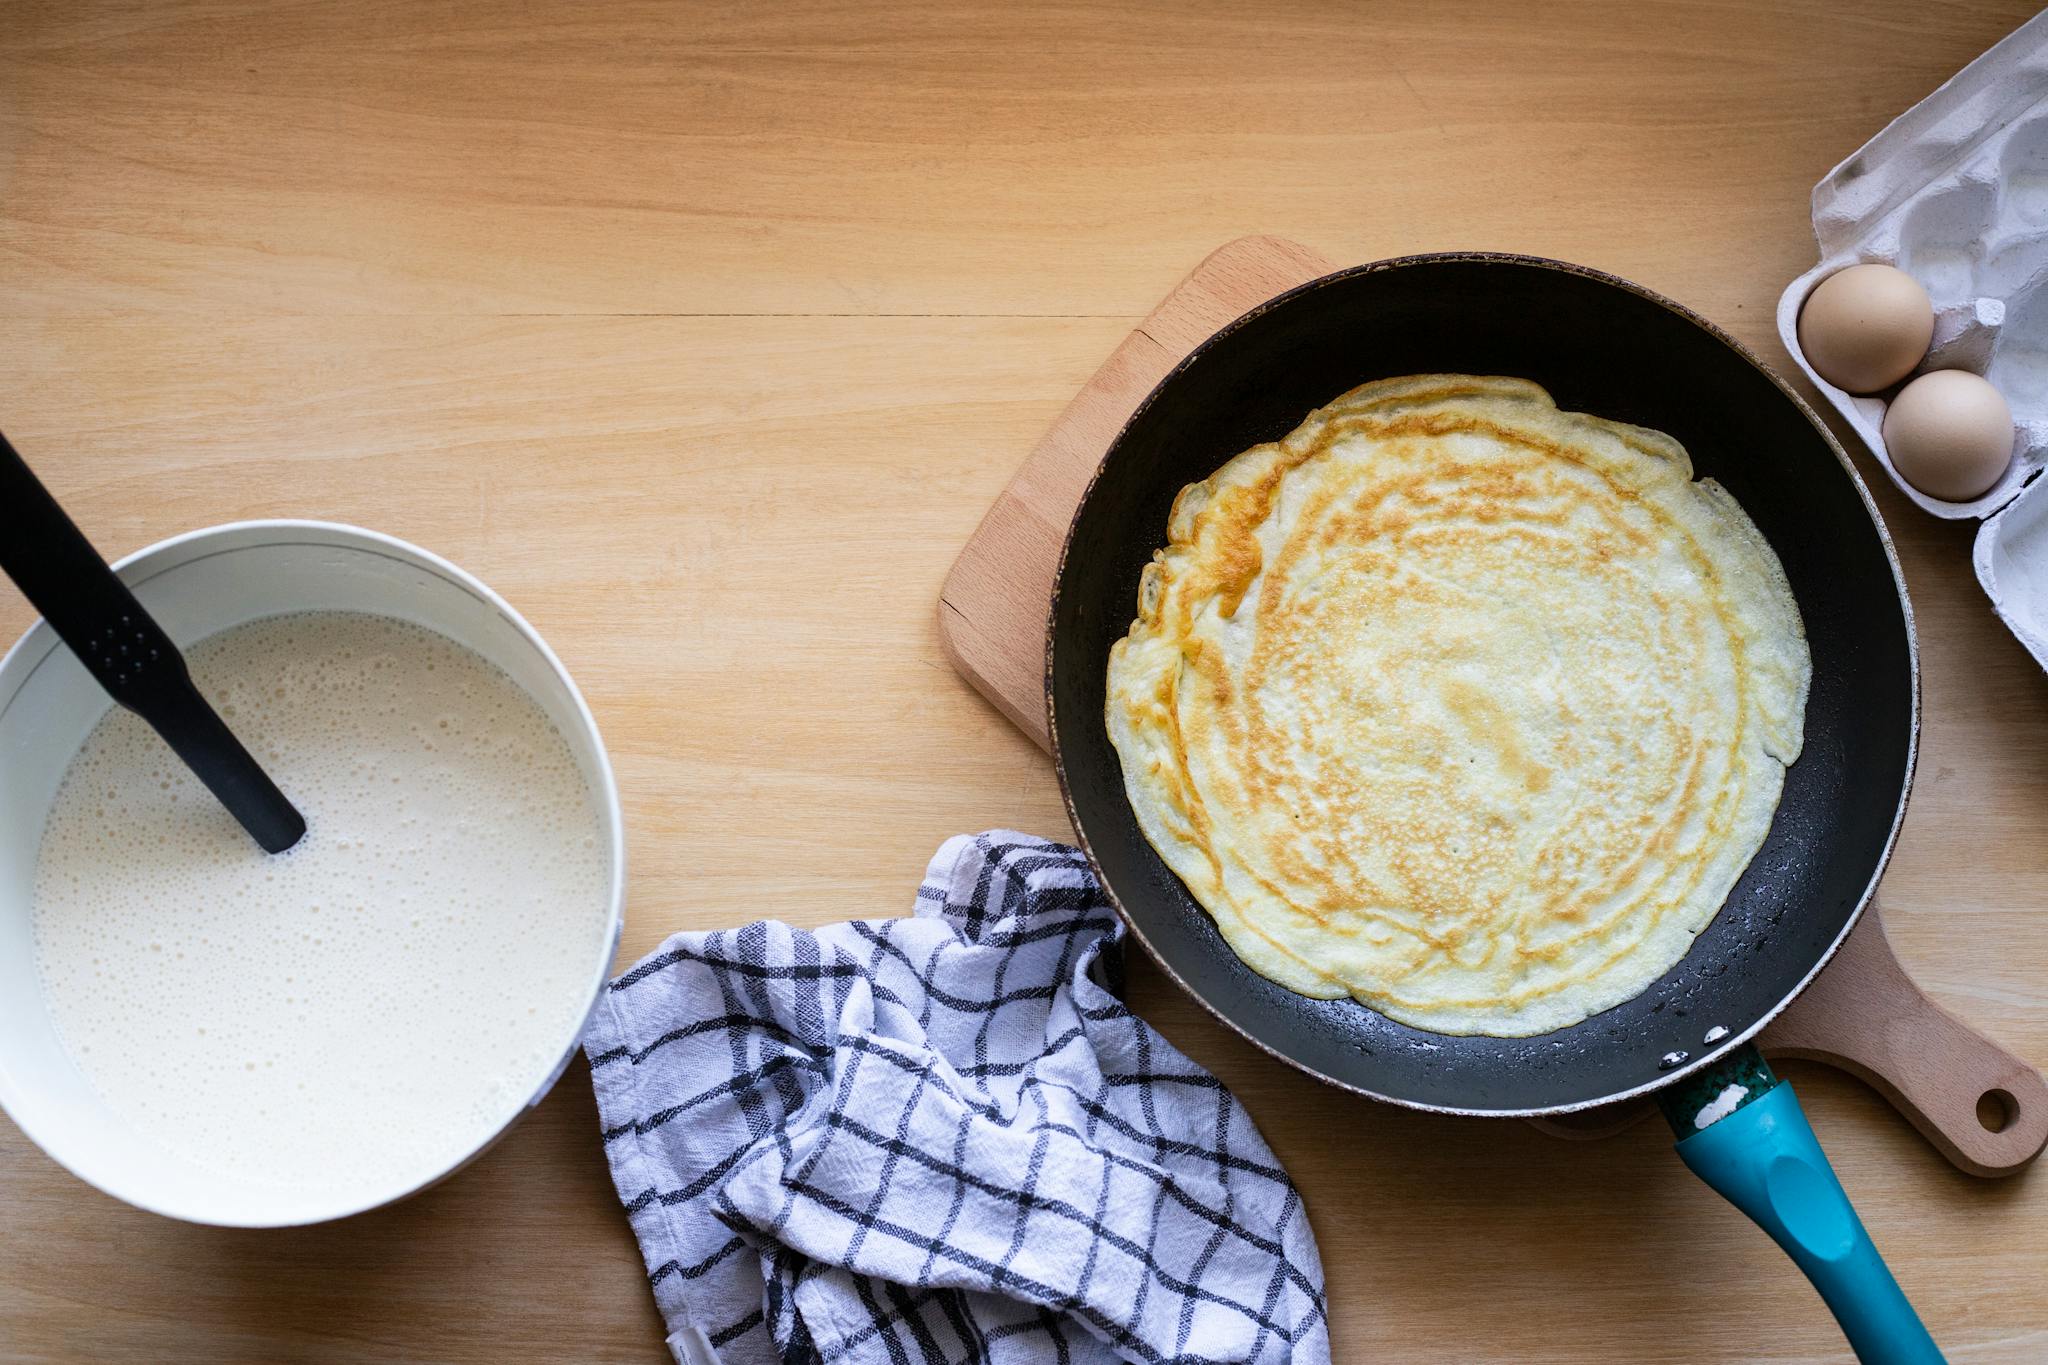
point(465, 272)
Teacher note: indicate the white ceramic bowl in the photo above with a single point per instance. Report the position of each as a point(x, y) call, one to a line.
point(195, 585)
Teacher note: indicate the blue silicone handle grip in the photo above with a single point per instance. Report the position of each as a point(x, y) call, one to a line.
point(1764, 1159)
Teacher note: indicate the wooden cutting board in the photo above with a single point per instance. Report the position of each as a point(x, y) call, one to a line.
point(1985, 1109)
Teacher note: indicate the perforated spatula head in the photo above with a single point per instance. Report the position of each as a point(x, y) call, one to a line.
point(119, 643)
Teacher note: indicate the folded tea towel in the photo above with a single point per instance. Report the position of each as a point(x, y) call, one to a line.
point(941, 1138)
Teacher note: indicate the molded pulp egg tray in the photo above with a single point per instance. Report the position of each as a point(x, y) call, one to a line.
point(1955, 193)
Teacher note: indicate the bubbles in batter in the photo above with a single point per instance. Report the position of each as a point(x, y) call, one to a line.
point(354, 1014)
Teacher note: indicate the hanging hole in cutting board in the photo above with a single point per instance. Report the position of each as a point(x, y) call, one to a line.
point(1996, 1109)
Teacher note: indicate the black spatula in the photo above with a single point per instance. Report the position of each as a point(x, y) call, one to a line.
point(92, 611)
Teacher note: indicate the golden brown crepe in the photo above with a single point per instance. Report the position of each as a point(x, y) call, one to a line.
point(1468, 708)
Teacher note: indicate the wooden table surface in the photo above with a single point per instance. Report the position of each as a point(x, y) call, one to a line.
point(706, 332)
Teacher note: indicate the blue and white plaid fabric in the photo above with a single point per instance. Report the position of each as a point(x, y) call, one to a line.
point(942, 1139)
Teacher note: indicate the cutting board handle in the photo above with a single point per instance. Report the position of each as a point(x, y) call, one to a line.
point(1986, 1109)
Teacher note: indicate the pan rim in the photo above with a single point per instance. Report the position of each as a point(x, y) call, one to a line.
point(1813, 420)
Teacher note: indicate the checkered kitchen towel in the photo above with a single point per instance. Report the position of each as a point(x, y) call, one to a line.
point(942, 1139)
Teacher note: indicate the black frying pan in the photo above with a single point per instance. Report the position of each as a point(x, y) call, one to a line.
point(1599, 345)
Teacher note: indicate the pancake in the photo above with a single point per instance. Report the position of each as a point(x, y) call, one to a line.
point(1456, 704)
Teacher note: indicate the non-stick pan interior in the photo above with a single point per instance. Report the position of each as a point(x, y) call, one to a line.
point(1599, 347)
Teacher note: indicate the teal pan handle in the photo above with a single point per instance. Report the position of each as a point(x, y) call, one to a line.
point(1764, 1159)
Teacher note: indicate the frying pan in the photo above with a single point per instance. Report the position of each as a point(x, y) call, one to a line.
point(1604, 346)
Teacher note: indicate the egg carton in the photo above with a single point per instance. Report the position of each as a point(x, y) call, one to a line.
point(1955, 193)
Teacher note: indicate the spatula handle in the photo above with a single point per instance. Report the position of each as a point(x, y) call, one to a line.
point(65, 579)
point(125, 650)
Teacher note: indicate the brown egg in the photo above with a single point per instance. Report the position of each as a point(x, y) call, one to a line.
point(1949, 434)
point(1865, 328)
